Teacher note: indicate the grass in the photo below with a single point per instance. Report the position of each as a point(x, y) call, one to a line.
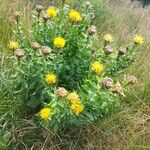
point(128, 129)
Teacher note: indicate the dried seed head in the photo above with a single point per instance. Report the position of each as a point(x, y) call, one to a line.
point(39, 8)
point(92, 30)
point(122, 51)
point(88, 3)
point(35, 45)
point(17, 15)
point(132, 79)
point(61, 92)
point(45, 17)
point(67, 7)
point(108, 49)
point(46, 50)
point(107, 82)
point(117, 88)
point(19, 53)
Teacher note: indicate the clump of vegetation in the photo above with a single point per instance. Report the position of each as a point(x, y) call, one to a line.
point(59, 73)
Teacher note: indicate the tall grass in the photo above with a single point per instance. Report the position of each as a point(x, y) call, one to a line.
point(130, 126)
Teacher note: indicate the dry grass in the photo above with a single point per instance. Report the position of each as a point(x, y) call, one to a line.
point(128, 129)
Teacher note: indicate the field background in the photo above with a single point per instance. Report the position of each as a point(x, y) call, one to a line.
point(128, 129)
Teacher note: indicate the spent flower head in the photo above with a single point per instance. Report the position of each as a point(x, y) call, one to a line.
point(61, 92)
point(92, 30)
point(107, 82)
point(19, 53)
point(46, 50)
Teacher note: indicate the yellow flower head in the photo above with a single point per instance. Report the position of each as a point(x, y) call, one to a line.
point(138, 39)
point(75, 16)
point(50, 78)
point(97, 67)
point(59, 42)
point(73, 98)
point(51, 12)
point(45, 113)
point(77, 108)
point(108, 38)
point(13, 45)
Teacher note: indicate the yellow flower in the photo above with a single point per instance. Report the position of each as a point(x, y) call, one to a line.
point(59, 42)
point(45, 113)
point(73, 98)
point(77, 108)
point(75, 16)
point(51, 78)
point(51, 12)
point(13, 45)
point(108, 38)
point(138, 39)
point(97, 67)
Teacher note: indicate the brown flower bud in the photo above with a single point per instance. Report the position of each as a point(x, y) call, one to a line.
point(117, 88)
point(132, 79)
point(17, 15)
point(92, 30)
point(108, 49)
point(35, 45)
point(46, 50)
point(107, 82)
point(122, 51)
point(39, 8)
point(61, 92)
point(19, 53)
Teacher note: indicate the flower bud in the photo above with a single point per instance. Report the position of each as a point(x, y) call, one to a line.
point(35, 45)
point(108, 50)
point(122, 51)
point(132, 80)
point(39, 8)
point(61, 92)
point(107, 82)
point(19, 53)
point(92, 30)
point(46, 50)
point(117, 88)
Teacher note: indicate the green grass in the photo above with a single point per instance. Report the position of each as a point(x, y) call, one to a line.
point(127, 129)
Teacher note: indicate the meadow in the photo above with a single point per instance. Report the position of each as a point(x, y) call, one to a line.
point(127, 128)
